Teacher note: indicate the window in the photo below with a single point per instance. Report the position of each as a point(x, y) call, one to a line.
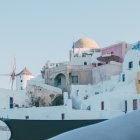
point(112, 53)
point(123, 77)
point(102, 105)
point(97, 50)
point(135, 105)
point(85, 63)
point(125, 104)
point(89, 108)
point(99, 64)
point(77, 92)
point(83, 55)
point(11, 102)
point(26, 117)
point(74, 79)
point(138, 81)
point(62, 116)
point(139, 63)
point(37, 104)
point(130, 65)
point(21, 81)
point(96, 92)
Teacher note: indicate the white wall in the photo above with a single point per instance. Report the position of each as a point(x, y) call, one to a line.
point(105, 72)
point(132, 55)
point(79, 60)
point(129, 76)
point(19, 98)
point(21, 81)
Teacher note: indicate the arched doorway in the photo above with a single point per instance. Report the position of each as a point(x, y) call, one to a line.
point(60, 81)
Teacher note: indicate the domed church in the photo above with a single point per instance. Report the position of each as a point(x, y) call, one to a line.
point(84, 51)
point(78, 70)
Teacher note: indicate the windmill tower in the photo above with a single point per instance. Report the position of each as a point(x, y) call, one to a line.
point(22, 78)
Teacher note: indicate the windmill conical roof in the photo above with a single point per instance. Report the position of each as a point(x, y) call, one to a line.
point(25, 71)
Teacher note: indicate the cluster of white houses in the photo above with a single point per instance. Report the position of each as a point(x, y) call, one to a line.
point(103, 80)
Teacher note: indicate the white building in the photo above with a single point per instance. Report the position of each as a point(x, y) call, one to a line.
point(78, 70)
point(112, 97)
point(131, 66)
point(16, 98)
point(115, 94)
point(22, 78)
point(89, 64)
point(11, 99)
point(85, 51)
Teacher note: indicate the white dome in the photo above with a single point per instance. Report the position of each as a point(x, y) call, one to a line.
point(86, 43)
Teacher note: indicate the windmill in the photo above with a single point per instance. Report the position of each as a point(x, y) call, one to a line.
point(12, 74)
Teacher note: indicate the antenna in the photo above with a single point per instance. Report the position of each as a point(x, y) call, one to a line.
point(73, 46)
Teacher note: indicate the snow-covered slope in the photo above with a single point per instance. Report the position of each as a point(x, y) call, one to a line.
point(122, 128)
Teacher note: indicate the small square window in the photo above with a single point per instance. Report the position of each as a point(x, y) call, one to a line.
point(85, 63)
point(74, 79)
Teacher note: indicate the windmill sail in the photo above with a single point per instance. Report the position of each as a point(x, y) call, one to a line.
point(12, 74)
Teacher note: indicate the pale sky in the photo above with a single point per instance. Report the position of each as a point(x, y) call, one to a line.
point(35, 31)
